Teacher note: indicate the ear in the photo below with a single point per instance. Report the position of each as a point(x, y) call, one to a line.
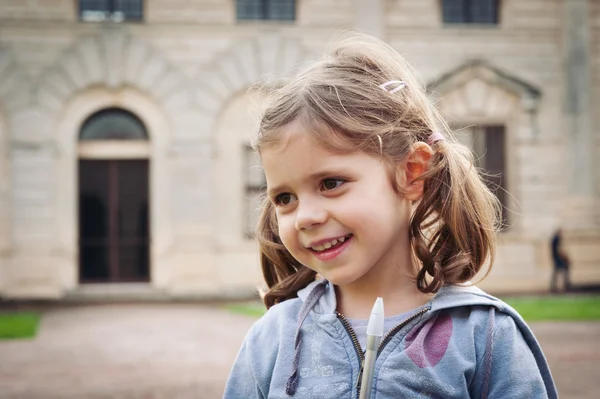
point(413, 167)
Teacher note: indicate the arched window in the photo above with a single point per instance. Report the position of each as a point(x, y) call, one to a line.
point(113, 124)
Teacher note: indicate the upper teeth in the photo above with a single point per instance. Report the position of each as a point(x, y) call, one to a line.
point(329, 244)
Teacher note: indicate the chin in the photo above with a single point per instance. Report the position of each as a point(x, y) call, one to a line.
point(340, 279)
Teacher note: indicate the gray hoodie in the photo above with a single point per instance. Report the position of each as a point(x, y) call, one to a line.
point(464, 343)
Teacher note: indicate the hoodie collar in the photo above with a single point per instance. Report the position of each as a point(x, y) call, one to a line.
point(327, 302)
point(447, 297)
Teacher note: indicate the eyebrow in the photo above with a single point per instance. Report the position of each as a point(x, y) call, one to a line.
point(272, 192)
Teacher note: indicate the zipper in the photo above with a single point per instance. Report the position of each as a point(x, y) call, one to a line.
point(388, 337)
point(359, 353)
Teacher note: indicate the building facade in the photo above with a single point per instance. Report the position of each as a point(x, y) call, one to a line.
point(124, 131)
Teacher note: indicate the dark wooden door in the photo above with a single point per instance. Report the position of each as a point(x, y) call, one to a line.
point(114, 228)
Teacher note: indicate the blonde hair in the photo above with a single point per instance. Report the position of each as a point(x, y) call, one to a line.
point(340, 101)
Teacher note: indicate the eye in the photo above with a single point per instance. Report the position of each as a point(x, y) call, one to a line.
point(284, 199)
point(331, 184)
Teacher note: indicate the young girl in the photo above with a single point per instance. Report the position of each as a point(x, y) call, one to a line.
point(367, 198)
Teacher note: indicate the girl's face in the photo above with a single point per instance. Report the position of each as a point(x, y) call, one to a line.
point(337, 214)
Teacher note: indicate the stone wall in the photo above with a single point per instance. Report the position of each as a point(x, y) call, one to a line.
point(184, 72)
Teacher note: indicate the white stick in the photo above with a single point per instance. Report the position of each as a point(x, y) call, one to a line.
point(374, 334)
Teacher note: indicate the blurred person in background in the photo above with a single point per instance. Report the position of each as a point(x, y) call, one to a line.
point(561, 262)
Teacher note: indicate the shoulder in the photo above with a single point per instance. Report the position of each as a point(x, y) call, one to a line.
point(485, 314)
point(490, 321)
point(269, 337)
point(496, 337)
point(507, 354)
point(278, 321)
point(281, 313)
point(472, 298)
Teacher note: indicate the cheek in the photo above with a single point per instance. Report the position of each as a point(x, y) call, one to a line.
point(375, 211)
point(286, 232)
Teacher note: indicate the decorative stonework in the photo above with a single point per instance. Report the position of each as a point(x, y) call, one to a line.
point(15, 88)
point(477, 89)
point(266, 57)
point(113, 59)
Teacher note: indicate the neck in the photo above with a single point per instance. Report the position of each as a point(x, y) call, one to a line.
point(394, 284)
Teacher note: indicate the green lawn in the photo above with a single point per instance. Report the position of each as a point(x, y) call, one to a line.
point(18, 325)
point(557, 308)
point(543, 308)
point(252, 309)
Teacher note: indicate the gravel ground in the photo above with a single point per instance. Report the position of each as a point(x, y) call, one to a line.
point(185, 351)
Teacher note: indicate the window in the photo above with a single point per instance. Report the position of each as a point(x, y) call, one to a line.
point(255, 185)
point(488, 142)
point(470, 11)
point(276, 10)
point(110, 10)
point(113, 124)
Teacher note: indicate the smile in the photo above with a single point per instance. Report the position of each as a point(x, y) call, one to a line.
point(330, 244)
point(331, 249)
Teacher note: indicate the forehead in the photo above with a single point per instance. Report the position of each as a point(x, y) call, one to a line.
point(298, 157)
point(293, 147)
point(321, 133)
point(303, 135)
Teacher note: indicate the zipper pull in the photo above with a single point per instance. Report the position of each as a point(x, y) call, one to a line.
point(360, 373)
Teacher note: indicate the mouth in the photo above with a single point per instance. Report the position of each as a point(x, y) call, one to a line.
point(332, 248)
point(331, 244)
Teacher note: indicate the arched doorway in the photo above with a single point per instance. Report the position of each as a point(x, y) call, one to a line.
point(113, 202)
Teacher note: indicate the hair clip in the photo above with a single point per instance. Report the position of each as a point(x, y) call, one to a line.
point(380, 145)
point(400, 84)
point(434, 138)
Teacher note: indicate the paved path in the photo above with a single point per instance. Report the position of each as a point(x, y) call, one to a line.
point(124, 351)
point(573, 352)
point(185, 351)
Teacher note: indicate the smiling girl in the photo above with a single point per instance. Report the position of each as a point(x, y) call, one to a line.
point(366, 197)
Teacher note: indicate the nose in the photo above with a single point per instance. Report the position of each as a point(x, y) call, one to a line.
point(310, 214)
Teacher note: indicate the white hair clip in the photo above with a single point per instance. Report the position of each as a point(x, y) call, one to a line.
point(434, 138)
point(400, 84)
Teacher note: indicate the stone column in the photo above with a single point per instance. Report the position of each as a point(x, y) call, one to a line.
point(580, 212)
point(369, 17)
point(5, 201)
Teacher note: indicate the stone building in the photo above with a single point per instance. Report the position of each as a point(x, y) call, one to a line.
point(124, 128)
